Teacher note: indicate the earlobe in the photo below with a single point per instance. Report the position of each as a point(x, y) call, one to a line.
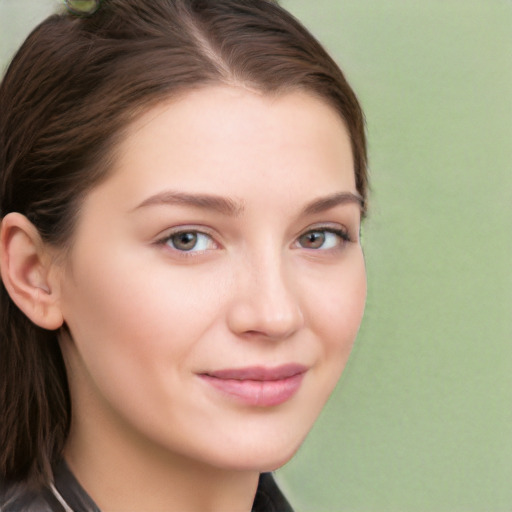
point(26, 270)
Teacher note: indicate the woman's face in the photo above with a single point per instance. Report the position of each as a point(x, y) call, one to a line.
point(216, 282)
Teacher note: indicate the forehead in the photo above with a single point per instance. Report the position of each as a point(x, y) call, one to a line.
point(234, 141)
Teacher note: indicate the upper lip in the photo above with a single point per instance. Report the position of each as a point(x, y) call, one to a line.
point(261, 373)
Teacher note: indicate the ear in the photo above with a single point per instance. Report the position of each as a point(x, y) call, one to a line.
point(27, 271)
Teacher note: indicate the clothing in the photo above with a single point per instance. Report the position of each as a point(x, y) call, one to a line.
point(68, 495)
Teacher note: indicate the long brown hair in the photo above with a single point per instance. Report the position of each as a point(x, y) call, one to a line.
point(70, 91)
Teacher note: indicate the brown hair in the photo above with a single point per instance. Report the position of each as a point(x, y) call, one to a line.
point(71, 89)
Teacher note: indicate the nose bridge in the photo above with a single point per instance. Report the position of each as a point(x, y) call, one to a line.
point(267, 301)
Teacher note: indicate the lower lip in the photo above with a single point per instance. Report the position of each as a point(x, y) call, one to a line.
point(259, 393)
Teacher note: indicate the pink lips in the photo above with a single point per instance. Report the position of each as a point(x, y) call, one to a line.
point(258, 386)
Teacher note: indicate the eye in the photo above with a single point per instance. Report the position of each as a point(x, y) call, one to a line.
point(189, 241)
point(323, 239)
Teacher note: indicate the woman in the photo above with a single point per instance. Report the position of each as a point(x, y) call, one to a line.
point(183, 183)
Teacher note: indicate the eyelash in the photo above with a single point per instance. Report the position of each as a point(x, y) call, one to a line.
point(342, 234)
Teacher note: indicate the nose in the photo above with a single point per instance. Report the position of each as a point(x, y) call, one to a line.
point(266, 301)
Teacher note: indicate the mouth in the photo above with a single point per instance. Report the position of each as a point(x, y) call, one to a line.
point(258, 386)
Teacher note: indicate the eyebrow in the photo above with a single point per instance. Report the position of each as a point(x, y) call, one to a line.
point(220, 204)
point(234, 208)
point(323, 204)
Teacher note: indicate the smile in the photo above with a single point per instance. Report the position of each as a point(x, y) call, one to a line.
point(258, 386)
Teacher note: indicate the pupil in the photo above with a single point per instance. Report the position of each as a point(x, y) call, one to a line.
point(314, 240)
point(185, 241)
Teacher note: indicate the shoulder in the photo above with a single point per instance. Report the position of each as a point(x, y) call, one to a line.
point(20, 497)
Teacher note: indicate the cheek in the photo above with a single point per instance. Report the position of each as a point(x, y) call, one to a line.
point(135, 332)
point(145, 313)
point(336, 310)
point(142, 319)
point(132, 321)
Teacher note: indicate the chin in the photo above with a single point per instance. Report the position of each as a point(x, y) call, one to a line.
point(262, 457)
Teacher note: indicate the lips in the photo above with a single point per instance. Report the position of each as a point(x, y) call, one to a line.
point(257, 386)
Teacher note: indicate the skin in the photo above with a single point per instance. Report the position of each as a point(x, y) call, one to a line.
point(148, 319)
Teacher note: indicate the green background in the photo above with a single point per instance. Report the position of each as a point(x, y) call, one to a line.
point(422, 418)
